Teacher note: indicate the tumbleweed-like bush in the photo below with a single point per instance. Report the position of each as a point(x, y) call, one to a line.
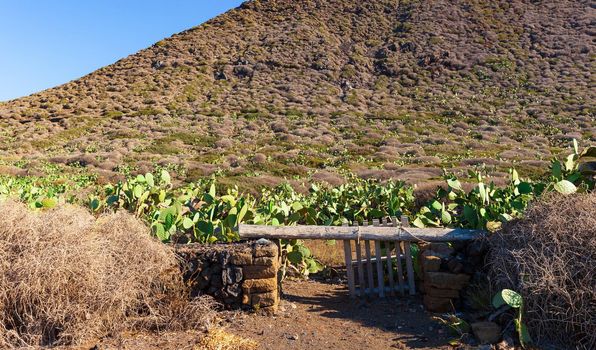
point(549, 257)
point(67, 277)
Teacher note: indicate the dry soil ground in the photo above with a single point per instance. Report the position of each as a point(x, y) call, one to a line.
point(313, 315)
point(321, 315)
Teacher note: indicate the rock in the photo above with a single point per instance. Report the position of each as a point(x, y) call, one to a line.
point(476, 248)
point(486, 332)
point(454, 265)
point(260, 285)
point(506, 344)
point(263, 299)
point(242, 257)
point(437, 304)
point(442, 293)
point(430, 263)
point(234, 290)
point(268, 249)
point(264, 261)
point(441, 249)
point(236, 274)
point(445, 280)
point(259, 272)
point(157, 64)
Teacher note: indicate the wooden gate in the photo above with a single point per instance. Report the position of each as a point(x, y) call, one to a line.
point(379, 255)
point(392, 261)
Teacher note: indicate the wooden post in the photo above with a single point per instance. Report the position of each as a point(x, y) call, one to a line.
point(389, 265)
point(408, 255)
point(349, 267)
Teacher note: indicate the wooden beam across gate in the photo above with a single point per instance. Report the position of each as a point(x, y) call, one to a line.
point(404, 234)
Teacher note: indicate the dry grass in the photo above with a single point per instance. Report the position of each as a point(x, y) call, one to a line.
point(219, 339)
point(66, 278)
point(549, 257)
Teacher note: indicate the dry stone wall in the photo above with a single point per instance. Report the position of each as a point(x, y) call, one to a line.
point(447, 269)
point(239, 275)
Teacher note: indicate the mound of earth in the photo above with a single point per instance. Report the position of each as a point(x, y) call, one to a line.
point(282, 87)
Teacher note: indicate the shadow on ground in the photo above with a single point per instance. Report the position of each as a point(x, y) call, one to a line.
point(321, 315)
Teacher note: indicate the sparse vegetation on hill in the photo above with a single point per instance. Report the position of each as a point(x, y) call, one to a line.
point(281, 88)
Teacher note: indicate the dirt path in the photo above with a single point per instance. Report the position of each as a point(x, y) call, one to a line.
point(313, 315)
point(317, 315)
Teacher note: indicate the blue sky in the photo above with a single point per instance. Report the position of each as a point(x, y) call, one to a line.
point(45, 43)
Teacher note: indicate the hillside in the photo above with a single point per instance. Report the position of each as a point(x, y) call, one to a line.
point(282, 88)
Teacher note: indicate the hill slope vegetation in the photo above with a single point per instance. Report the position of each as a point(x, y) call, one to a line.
point(390, 89)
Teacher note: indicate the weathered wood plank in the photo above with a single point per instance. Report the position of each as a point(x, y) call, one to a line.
point(369, 269)
point(408, 256)
point(398, 254)
point(362, 286)
point(390, 266)
point(349, 268)
point(380, 274)
point(355, 232)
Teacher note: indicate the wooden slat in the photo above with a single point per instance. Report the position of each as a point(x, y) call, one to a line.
point(408, 255)
point(388, 246)
point(379, 263)
point(349, 268)
point(364, 232)
point(380, 275)
point(389, 261)
point(369, 270)
point(398, 253)
point(362, 286)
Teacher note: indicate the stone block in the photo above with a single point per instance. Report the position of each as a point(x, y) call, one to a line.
point(441, 293)
point(486, 332)
point(242, 257)
point(260, 285)
point(436, 304)
point(454, 265)
point(430, 263)
point(264, 261)
point(261, 250)
point(268, 310)
point(260, 300)
point(445, 280)
point(259, 272)
point(441, 249)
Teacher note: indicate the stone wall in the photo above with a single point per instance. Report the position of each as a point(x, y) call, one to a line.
point(446, 271)
point(239, 275)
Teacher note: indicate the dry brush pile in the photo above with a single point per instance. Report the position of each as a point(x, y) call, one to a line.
point(548, 256)
point(67, 278)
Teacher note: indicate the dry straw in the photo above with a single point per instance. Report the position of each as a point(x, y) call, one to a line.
point(548, 256)
point(66, 278)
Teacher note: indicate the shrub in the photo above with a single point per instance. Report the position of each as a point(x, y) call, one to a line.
point(66, 277)
point(548, 257)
